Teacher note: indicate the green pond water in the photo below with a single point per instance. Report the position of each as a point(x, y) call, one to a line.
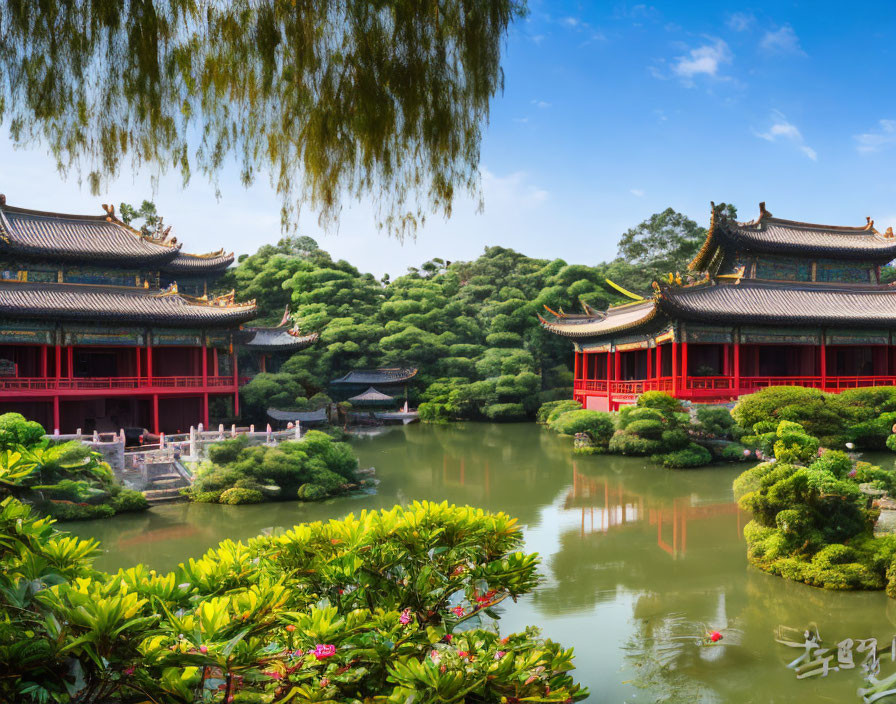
point(635, 559)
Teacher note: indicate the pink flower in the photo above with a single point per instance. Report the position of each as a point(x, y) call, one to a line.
point(275, 675)
point(715, 636)
point(434, 654)
point(458, 610)
point(322, 652)
point(463, 654)
point(449, 637)
point(324, 682)
point(405, 617)
point(203, 649)
point(129, 671)
point(500, 654)
point(852, 473)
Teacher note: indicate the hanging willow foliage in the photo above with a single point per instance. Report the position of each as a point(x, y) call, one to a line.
point(329, 98)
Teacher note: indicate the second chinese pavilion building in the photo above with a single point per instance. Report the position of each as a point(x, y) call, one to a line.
point(781, 303)
point(104, 327)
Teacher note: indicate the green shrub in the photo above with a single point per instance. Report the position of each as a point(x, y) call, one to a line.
point(596, 423)
point(247, 607)
point(205, 497)
point(16, 430)
point(735, 452)
point(560, 409)
point(236, 496)
point(311, 492)
point(693, 455)
point(128, 500)
point(68, 511)
point(652, 429)
point(226, 451)
point(891, 443)
point(715, 420)
point(547, 408)
point(505, 411)
point(625, 443)
point(811, 523)
point(659, 400)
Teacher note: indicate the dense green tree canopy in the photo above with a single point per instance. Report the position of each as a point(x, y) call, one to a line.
point(383, 99)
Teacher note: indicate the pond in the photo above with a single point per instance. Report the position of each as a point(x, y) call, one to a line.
point(634, 559)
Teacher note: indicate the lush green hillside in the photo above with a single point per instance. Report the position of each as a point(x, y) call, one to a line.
point(469, 327)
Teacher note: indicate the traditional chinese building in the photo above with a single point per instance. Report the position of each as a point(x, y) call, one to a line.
point(780, 303)
point(103, 327)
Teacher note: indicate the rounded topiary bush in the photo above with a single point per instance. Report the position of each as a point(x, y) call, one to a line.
point(625, 443)
point(546, 410)
point(206, 497)
point(891, 443)
point(735, 452)
point(236, 496)
point(646, 428)
point(129, 500)
point(311, 492)
point(505, 411)
point(693, 455)
point(598, 424)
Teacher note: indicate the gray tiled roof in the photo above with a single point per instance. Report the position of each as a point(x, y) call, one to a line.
point(318, 416)
point(614, 320)
point(787, 236)
point(371, 396)
point(755, 301)
point(77, 237)
point(275, 339)
point(198, 263)
point(394, 375)
point(116, 303)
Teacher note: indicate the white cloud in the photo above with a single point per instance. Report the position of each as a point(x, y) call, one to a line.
point(785, 131)
point(741, 21)
point(870, 142)
point(541, 103)
point(571, 21)
point(705, 60)
point(637, 192)
point(782, 41)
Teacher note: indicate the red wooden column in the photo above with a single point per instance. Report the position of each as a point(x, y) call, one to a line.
point(725, 361)
point(609, 379)
point(56, 412)
point(824, 362)
point(215, 367)
point(674, 367)
point(737, 365)
point(263, 359)
point(684, 366)
point(204, 351)
point(148, 362)
point(236, 385)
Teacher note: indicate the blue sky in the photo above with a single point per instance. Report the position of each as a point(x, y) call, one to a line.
point(611, 112)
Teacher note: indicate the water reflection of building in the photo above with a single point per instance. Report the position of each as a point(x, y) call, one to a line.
point(606, 504)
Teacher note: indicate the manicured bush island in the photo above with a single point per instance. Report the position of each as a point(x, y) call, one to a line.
point(392, 606)
point(811, 522)
point(310, 469)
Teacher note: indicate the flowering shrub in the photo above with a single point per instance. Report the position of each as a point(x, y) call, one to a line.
point(811, 523)
point(394, 605)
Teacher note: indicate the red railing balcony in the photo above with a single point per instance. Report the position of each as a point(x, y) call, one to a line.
point(718, 386)
point(113, 383)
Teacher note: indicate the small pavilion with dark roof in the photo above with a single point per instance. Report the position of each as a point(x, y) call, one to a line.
point(390, 382)
point(271, 346)
point(774, 302)
point(104, 327)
